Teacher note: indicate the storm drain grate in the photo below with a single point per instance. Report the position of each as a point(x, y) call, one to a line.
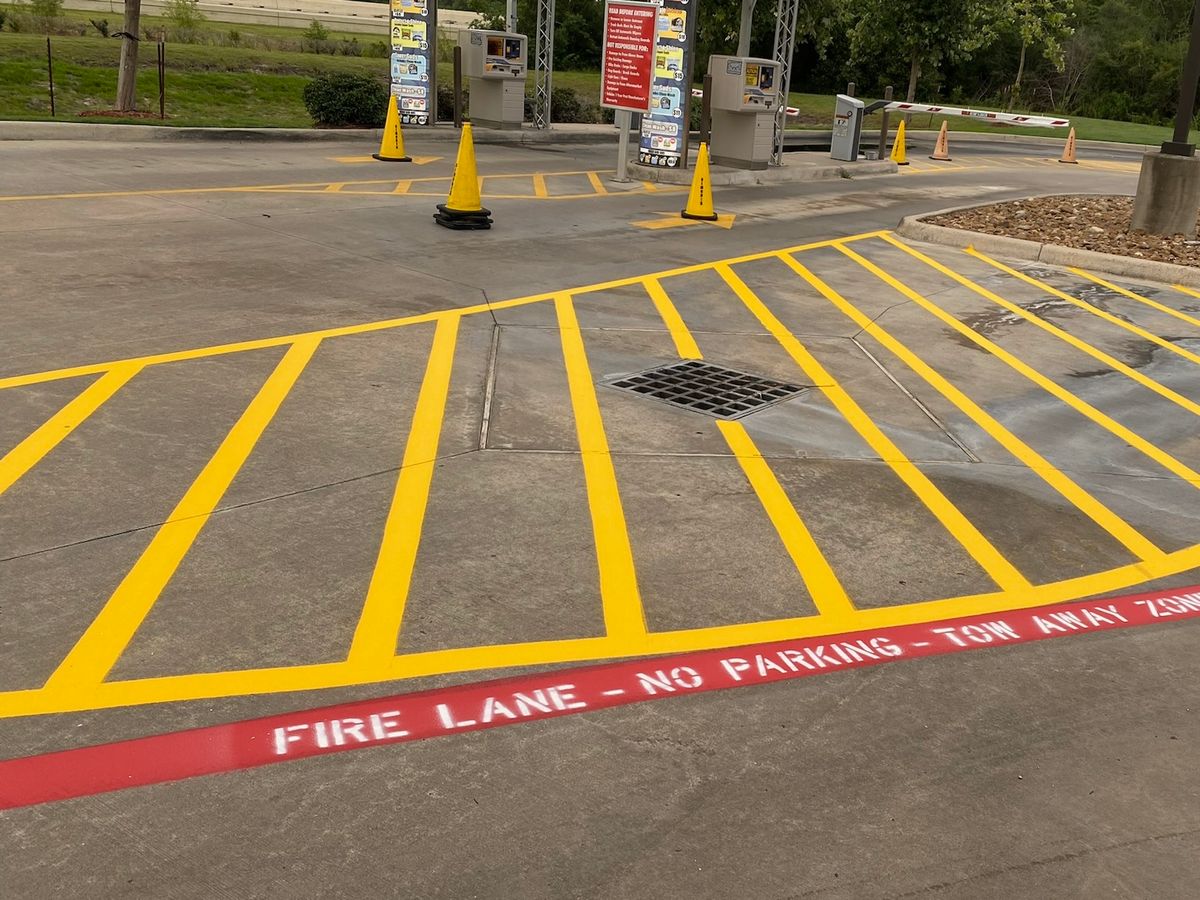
point(705, 388)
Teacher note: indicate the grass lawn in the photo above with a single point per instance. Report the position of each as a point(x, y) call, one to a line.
point(219, 86)
point(241, 87)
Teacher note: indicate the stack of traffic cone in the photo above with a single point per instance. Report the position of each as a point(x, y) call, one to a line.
point(941, 150)
point(899, 153)
point(463, 209)
point(700, 201)
point(391, 148)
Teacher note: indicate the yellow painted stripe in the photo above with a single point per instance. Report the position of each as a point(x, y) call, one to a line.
point(374, 642)
point(650, 187)
point(823, 585)
point(1122, 531)
point(1153, 304)
point(385, 324)
point(101, 645)
point(1108, 360)
point(960, 527)
point(23, 457)
point(685, 344)
point(1083, 304)
point(539, 186)
point(624, 619)
point(597, 184)
point(1106, 422)
point(402, 187)
point(1187, 290)
point(316, 186)
point(109, 695)
point(334, 187)
point(828, 595)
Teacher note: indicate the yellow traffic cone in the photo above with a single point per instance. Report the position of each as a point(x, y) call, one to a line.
point(941, 150)
point(391, 148)
point(700, 203)
point(1069, 151)
point(899, 154)
point(463, 208)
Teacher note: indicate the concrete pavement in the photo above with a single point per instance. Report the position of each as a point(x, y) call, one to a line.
point(294, 368)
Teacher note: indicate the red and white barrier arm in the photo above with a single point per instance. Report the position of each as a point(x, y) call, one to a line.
point(985, 115)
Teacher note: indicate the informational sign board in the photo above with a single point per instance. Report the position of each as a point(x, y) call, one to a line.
point(627, 61)
point(413, 25)
point(665, 127)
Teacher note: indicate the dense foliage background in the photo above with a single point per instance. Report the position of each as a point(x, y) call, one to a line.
point(1116, 59)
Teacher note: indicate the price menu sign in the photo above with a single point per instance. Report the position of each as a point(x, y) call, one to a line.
point(665, 127)
point(627, 67)
point(413, 26)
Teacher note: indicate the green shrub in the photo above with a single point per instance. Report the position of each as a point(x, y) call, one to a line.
point(46, 9)
point(377, 50)
point(445, 101)
point(315, 38)
point(566, 106)
point(340, 100)
point(183, 15)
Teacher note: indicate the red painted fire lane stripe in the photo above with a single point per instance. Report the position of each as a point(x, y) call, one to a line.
point(490, 704)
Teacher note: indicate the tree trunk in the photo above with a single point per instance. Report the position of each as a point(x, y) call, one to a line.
point(914, 73)
point(1016, 88)
point(127, 75)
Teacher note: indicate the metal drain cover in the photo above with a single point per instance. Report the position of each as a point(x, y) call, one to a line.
point(704, 388)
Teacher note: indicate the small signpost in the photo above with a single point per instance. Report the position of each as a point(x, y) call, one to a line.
point(627, 66)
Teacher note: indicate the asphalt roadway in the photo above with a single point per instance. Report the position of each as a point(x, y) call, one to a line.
point(271, 440)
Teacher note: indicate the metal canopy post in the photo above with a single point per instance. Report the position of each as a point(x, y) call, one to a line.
point(1179, 145)
point(543, 67)
point(785, 45)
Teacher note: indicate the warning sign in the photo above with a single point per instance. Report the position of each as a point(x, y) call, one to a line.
point(627, 66)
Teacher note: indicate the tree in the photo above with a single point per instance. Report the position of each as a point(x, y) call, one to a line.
point(1044, 25)
point(923, 32)
point(127, 73)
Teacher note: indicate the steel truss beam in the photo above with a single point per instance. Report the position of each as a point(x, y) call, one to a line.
point(543, 66)
point(785, 46)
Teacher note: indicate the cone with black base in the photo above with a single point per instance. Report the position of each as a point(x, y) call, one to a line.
point(941, 150)
point(899, 151)
point(463, 209)
point(391, 148)
point(1069, 150)
point(700, 201)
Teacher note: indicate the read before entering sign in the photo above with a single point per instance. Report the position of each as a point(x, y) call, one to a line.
point(627, 64)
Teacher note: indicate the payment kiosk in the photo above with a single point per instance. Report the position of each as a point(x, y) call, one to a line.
point(745, 98)
point(847, 128)
point(495, 63)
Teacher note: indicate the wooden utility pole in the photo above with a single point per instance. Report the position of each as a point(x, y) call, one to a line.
point(127, 74)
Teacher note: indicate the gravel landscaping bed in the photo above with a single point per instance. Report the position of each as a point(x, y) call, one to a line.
point(1100, 224)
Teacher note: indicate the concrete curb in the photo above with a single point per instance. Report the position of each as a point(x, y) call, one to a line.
point(87, 131)
point(914, 228)
point(723, 177)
